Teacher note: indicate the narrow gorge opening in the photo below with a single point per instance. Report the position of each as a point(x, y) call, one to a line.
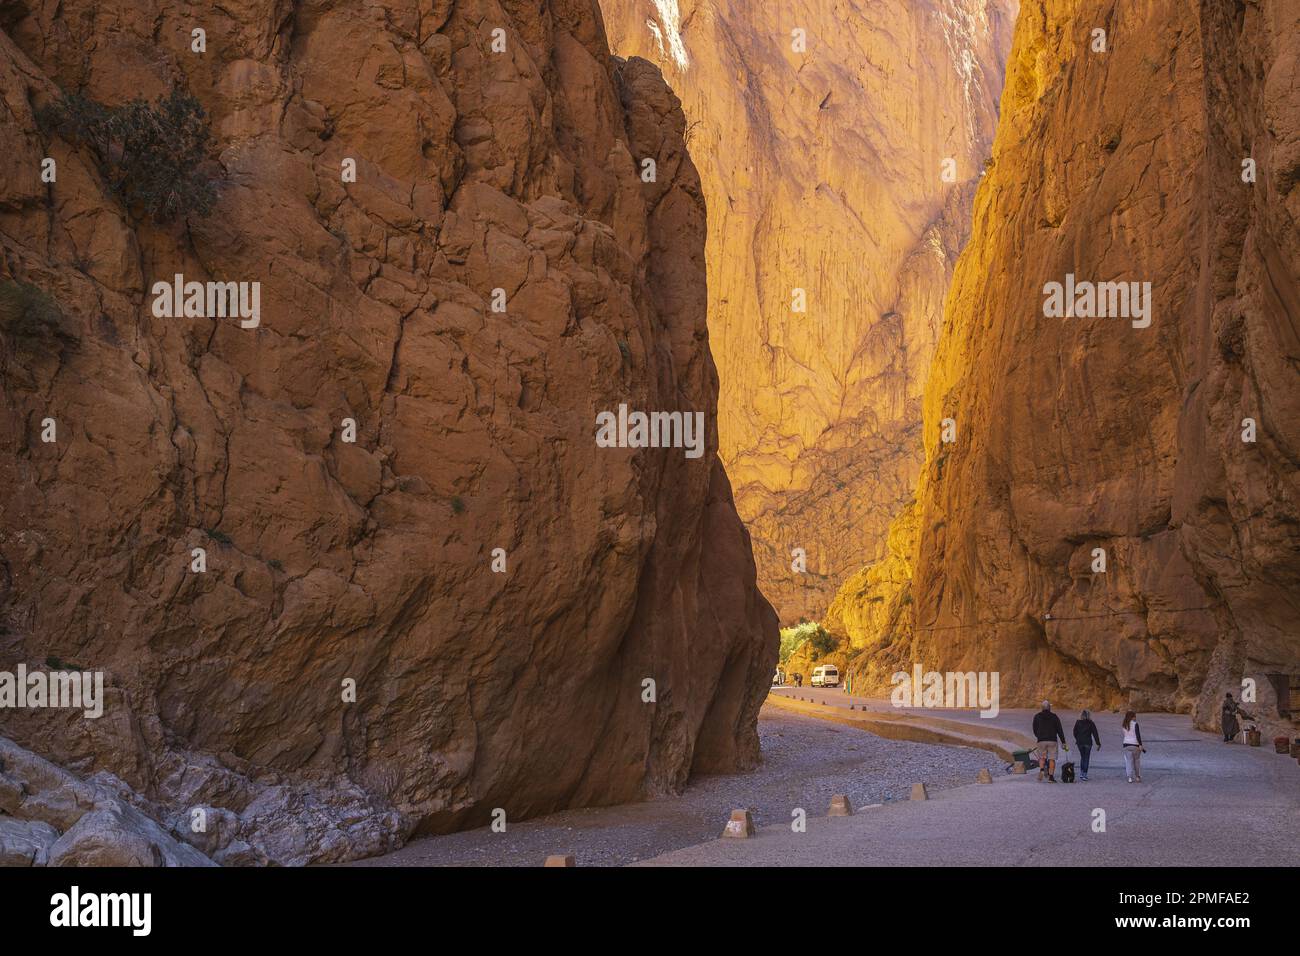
point(840, 180)
point(929, 408)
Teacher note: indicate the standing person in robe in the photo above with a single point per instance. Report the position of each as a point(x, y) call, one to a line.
point(1228, 719)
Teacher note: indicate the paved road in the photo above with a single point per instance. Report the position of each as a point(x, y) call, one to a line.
point(1200, 802)
point(805, 762)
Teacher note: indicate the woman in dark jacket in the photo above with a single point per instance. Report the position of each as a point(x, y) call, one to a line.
point(1085, 732)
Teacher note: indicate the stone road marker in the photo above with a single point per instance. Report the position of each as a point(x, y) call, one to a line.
point(840, 806)
point(918, 792)
point(557, 860)
point(984, 776)
point(740, 826)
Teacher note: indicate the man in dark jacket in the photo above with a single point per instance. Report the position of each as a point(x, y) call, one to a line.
point(1047, 731)
point(1085, 732)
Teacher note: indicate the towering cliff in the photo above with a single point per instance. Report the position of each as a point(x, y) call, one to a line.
point(332, 642)
point(1164, 149)
point(821, 131)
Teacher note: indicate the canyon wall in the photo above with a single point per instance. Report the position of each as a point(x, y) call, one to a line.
point(358, 661)
point(1170, 157)
point(821, 132)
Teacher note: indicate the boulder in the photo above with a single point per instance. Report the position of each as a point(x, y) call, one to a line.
point(219, 827)
point(12, 792)
point(241, 853)
point(25, 842)
point(119, 835)
point(103, 838)
point(61, 807)
point(35, 772)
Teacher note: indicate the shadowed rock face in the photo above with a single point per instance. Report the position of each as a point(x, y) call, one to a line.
point(1075, 434)
point(371, 561)
point(823, 171)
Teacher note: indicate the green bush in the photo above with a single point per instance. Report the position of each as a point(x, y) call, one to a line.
point(150, 155)
point(792, 638)
point(822, 641)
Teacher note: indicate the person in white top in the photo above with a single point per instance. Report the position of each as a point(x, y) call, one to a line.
point(1133, 748)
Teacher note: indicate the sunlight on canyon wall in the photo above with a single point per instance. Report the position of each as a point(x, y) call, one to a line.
point(821, 135)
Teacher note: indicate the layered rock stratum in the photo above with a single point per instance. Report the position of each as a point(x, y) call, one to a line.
point(498, 150)
point(821, 131)
point(1172, 157)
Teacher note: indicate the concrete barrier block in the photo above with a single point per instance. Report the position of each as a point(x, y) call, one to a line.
point(919, 792)
point(560, 860)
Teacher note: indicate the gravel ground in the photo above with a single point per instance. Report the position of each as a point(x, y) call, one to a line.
point(805, 761)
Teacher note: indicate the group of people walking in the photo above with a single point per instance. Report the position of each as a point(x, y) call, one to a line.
point(1048, 730)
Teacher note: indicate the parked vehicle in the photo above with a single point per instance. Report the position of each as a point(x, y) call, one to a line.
point(778, 678)
point(826, 675)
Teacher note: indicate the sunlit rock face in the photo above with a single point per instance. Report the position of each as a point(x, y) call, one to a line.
point(821, 131)
point(1078, 438)
point(618, 641)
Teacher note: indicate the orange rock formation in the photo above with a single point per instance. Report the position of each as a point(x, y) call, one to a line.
point(1172, 157)
point(821, 132)
point(518, 687)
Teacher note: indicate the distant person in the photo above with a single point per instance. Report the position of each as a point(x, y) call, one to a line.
point(798, 680)
point(1229, 719)
point(1047, 730)
point(1085, 732)
point(1133, 748)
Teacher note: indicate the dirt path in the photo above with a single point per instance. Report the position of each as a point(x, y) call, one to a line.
point(805, 761)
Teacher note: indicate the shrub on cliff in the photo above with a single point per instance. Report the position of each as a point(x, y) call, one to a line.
point(151, 155)
point(30, 319)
